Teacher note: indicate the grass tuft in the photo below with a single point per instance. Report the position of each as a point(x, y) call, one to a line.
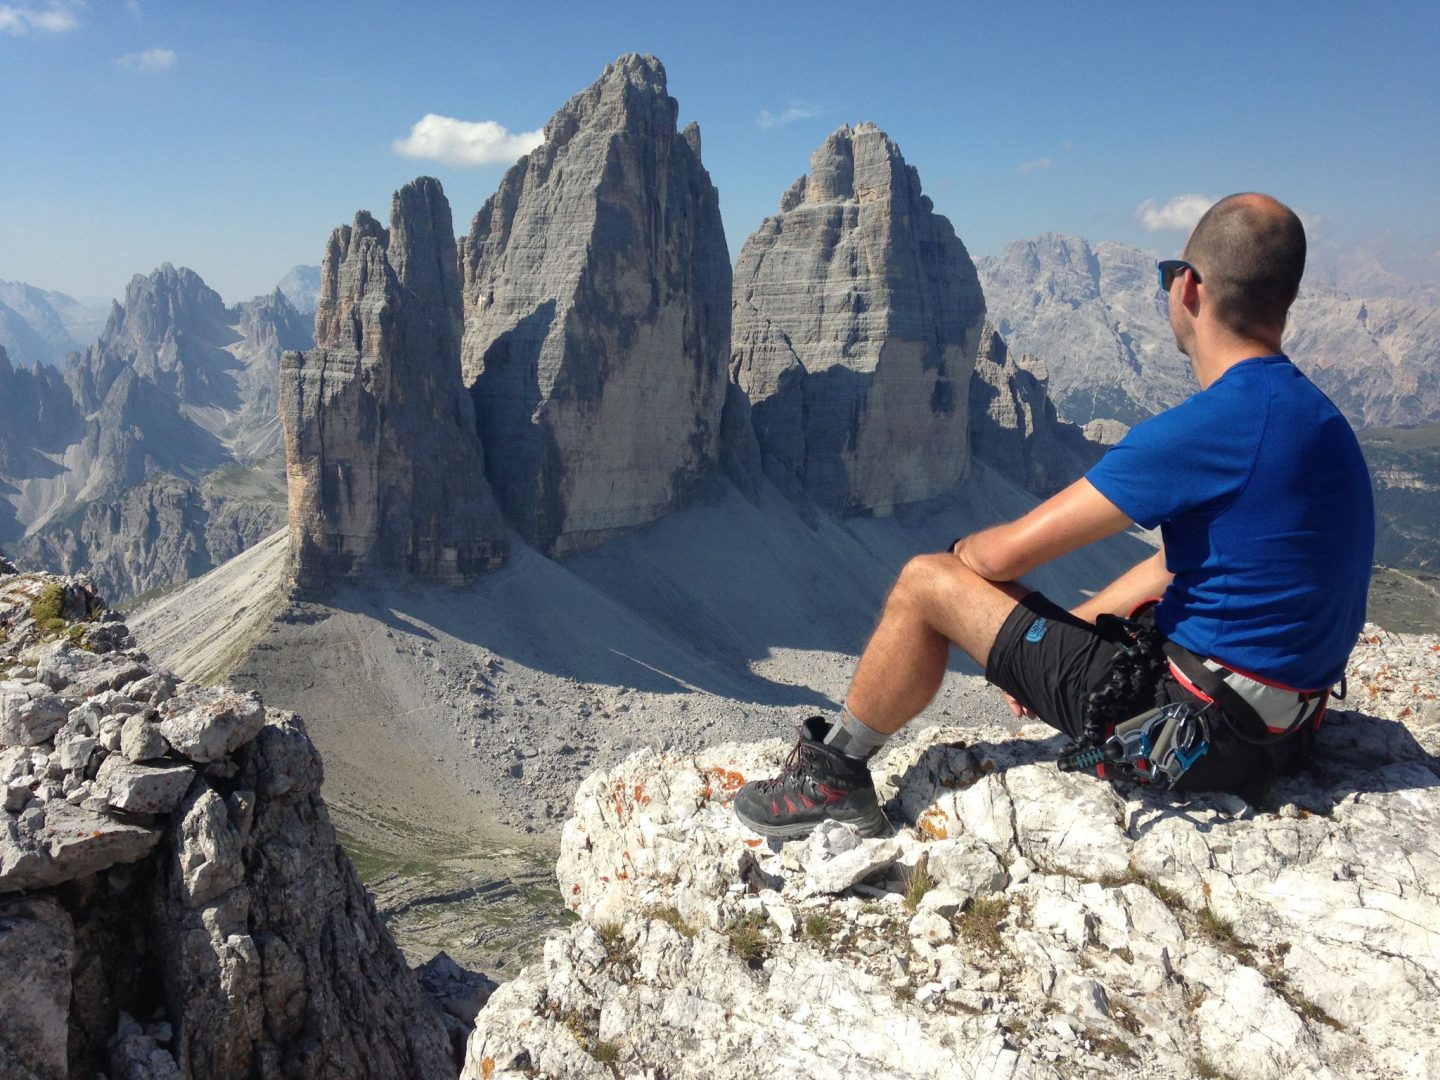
point(820, 927)
point(980, 922)
point(48, 608)
point(1205, 1069)
point(1112, 1046)
point(670, 915)
point(612, 936)
point(1221, 931)
point(607, 1053)
point(747, 937)
point(918, 882)
point(1171, 898)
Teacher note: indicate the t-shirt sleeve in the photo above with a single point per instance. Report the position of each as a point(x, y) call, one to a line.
point(1199, 453)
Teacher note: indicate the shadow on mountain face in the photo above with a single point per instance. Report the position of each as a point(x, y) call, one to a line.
point(704, 598)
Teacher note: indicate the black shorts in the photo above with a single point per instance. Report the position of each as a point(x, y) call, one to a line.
point(1049, 661)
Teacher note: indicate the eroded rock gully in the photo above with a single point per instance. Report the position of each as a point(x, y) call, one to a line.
point(1023, 922)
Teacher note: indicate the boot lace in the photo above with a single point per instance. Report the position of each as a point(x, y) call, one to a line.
point(796, 764)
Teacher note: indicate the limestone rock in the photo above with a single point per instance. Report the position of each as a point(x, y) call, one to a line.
point(141, 740)
point(1135, 934)
point(857, 318)
point(255, 963)
point(69, 843)
point(217, 896)
point(207, 724)
point(597, 317)
point(28, 715)
point(37, 947)
point(385, 470)
point(1013, 423)
point(143, 789)
point(829, 870)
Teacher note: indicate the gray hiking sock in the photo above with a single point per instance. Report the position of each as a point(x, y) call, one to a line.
point(853, 737)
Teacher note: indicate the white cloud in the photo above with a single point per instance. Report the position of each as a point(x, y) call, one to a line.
point(1180, 214)
point(799, 111)
point(465, 143)
point(1031, 166)
point(17, 21)
point(149, 62)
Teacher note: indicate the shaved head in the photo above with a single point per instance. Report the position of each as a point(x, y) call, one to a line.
point(1250, 251)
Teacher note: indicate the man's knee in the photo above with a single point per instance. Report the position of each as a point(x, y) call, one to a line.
point(926, 579)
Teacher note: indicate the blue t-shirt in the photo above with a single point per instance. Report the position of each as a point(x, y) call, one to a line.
point(1263, 500)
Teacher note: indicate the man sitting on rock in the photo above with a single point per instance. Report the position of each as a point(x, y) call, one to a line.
point(1267, 521)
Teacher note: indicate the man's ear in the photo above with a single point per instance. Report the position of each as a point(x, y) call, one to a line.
point(1190, 292)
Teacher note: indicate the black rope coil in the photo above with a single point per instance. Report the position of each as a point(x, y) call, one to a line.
point(1136, 676)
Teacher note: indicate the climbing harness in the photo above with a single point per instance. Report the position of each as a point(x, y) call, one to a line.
point(1126, 737)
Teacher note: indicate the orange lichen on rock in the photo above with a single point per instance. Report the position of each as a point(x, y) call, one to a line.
point(932, 824)
point(487, 1068)
point(727, 780)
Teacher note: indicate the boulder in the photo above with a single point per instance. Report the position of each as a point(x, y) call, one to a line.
point(142, 789)
point(207, 724)
point(29, 715)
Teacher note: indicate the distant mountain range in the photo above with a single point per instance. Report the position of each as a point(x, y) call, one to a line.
point(153, 455)
point(38, 326)
point(1095, 314)
point(301, 287)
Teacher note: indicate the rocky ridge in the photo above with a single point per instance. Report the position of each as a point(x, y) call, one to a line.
point(1022, 923)
point(172, 899)
point(39, 326)
point(384, 469)
point(156, 459)
point(1095, 313)
point(857, 317)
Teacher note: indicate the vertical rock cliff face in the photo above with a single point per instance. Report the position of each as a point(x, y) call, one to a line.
point(597, 317)
point(1014, 427)
point(385, 470)
point(856, 321)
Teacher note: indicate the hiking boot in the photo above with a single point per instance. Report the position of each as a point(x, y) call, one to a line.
point(817, 783)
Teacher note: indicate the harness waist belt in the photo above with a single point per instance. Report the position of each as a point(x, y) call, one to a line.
point(1264, 711)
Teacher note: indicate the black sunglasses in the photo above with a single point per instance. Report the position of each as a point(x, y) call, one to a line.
point(1170, 269)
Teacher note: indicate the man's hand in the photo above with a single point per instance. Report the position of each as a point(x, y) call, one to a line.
point(1021, 712)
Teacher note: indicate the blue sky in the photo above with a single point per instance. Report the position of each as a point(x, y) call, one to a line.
point(232, 137)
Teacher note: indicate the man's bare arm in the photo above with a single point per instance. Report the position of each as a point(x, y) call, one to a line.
point(1077, 516)
point(1144, 580)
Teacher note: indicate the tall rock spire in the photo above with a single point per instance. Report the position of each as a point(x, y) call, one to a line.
point(385, 470)
point(856, 323)
point(597, 317)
